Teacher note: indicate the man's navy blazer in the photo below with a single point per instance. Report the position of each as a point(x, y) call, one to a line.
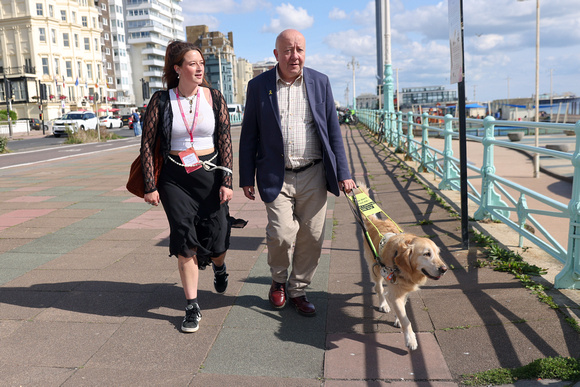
point(261, 152)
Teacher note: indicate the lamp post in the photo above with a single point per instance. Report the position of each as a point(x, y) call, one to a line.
point(537, 96)
point(354, 64)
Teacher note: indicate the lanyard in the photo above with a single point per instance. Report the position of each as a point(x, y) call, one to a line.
point(183, 114)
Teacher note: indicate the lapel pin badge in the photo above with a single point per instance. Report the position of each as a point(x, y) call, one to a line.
point(269, 92)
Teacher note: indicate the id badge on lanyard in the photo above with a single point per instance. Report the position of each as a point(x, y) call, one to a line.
point(188, 157)
point(190, 160)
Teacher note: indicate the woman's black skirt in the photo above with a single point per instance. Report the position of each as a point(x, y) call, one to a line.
point(198, 223)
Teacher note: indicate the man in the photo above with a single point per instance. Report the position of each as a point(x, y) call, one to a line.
point(291, 143)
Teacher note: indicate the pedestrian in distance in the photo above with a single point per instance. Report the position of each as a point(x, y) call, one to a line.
point(291, 146)
point(136, 123)
point(191, 122)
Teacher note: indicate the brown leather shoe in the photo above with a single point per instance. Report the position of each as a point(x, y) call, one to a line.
point(303, 306)
point(277, 295)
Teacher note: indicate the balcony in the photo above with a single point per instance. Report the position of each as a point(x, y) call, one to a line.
point(18, 70)
point(154, 62)
point(153, 73)
point(154, 51)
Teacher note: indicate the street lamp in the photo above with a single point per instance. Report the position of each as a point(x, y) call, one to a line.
point(354, 65)
point(537, 96)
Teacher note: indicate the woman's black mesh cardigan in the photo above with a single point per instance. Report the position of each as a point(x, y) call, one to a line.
point(157, 127)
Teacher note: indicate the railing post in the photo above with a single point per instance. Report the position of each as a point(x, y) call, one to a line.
point(489, 197)
point(425, 158)
point(394, 120)
point(399, 138)
point(522, 211)
point(449, 173)
point(569, 277)
point(410, 136)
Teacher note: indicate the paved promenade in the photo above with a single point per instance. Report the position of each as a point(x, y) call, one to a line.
point(89, 296)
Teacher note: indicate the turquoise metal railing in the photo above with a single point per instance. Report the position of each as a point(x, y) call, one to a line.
point(236, 118)
point(494, 199)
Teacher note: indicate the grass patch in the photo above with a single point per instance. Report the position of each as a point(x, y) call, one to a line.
point(560, 368)
point(91, 135)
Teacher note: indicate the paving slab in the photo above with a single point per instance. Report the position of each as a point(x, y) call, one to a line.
point(89, 295)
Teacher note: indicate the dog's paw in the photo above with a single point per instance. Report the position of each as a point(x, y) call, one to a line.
point(384, 307)
point(411, 341)
point(397, 323)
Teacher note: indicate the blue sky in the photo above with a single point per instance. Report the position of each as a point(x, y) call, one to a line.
point(500, 41)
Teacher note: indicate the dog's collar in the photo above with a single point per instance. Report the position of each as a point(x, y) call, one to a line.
point(384, 241)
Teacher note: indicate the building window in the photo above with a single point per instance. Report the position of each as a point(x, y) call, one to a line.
point(107, 51)
point(45, 70)
point(42, 34)
point(84, 21)
point(56, 66)
point(105, 21)
point(39, 10)
point(79, 70)
point(68, 65)
point(89, 71)
point(96, 43)
point(74, 17)
point(76, 41)
point(103, 6)
point(50, 10)
point(53, 36)
point(63, 15)
point(106, 36)
point(110, 81)
point(87, 44)
point(65, 40)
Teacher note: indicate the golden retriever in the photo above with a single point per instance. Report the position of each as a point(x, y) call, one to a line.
point(406, 261)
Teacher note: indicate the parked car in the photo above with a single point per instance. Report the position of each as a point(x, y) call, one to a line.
point(111, 122)
point(35, 123)
point(74, 121)
point(126, 118)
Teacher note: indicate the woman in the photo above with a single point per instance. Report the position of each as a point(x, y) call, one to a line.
point(189, 122)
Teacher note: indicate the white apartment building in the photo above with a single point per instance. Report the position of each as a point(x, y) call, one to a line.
point(55, 43)
point(245, 74)
point(150, 26)
point(123, 81)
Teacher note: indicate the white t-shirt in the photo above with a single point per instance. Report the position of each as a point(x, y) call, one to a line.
point(204, 128)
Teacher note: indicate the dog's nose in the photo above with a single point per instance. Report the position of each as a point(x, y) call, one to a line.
point(442, 269)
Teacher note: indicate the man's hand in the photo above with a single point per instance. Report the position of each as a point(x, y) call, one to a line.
point(249, 192)
point(347, 185)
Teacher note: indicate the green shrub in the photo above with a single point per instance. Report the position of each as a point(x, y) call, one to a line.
point(3, 144)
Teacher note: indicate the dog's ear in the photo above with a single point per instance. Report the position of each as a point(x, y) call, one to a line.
point(402, 254)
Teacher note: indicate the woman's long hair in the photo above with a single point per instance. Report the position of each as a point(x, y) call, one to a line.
point(174, 55)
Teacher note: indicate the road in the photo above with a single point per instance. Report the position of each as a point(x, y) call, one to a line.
point(41, 149)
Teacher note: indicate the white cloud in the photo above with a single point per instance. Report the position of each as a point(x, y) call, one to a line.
point(203, 19)
point(223, 6)
point(289, 17)
point(366, 16)
point(487, 42)
point(337, 14)
point(352, 42)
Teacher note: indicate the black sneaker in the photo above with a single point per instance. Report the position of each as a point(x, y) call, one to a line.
point(220, 280)
point(190, 322)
